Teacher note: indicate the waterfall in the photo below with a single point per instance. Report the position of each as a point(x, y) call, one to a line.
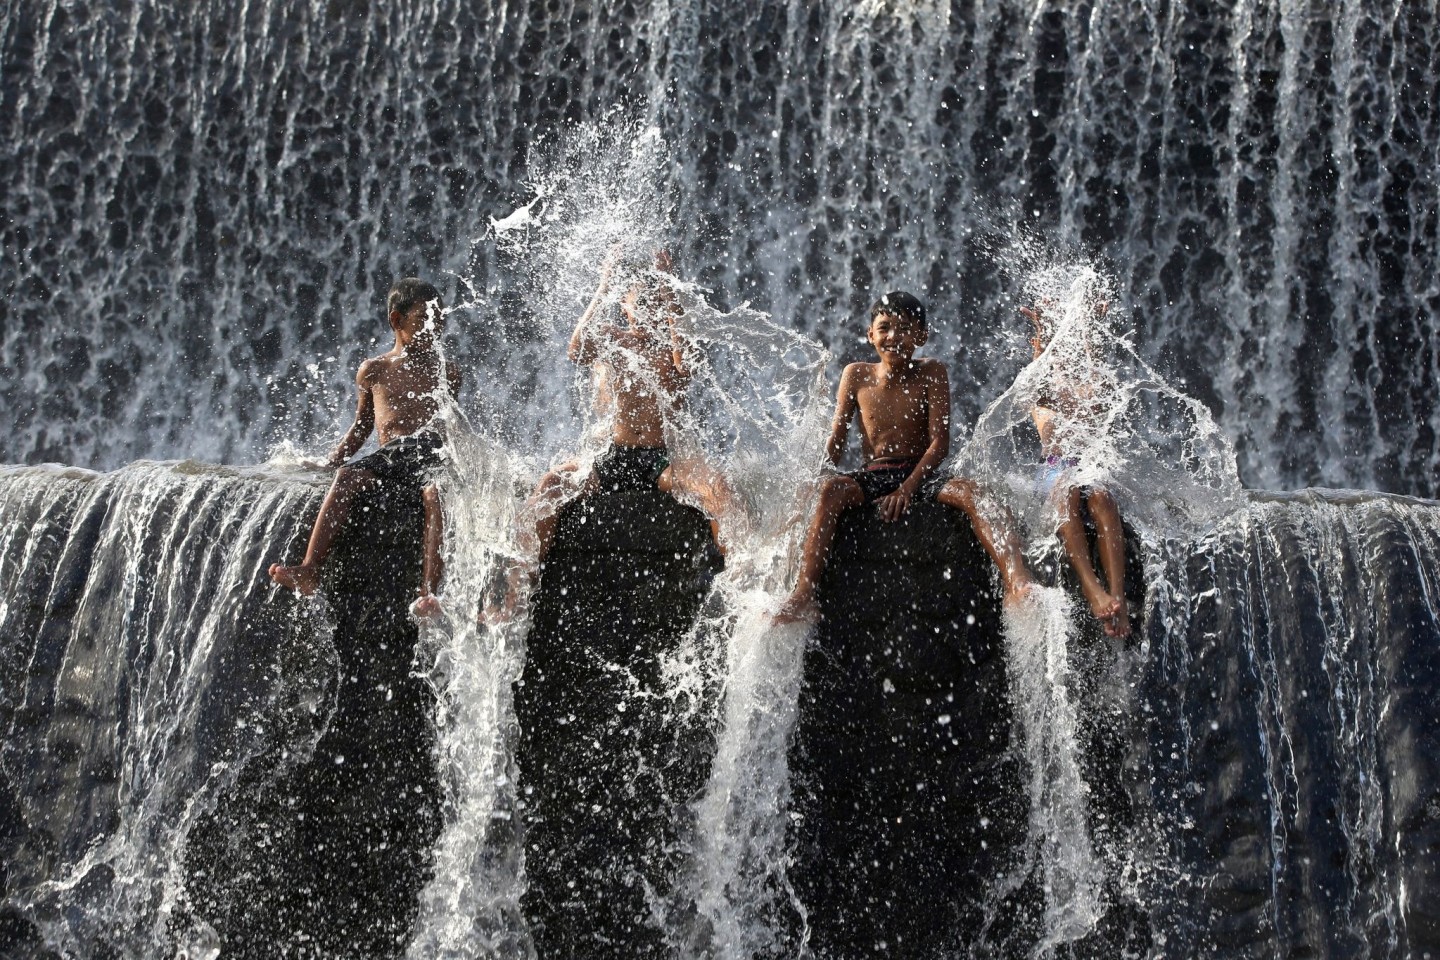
point(229, 190)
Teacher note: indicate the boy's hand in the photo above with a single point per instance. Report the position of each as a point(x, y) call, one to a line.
point(893, 506)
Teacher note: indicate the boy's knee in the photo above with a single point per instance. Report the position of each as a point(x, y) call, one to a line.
point(1101, 499)
point(957, 492)
point(837, 493)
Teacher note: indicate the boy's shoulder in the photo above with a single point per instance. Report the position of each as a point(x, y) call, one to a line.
point(372, 369)
point(932, 367)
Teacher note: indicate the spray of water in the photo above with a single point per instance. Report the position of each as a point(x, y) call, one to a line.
point(1111, 423)
point(744, 433)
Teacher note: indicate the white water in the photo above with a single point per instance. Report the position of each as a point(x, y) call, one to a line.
point(205, 200)
point(754, 411)
point(194, 677)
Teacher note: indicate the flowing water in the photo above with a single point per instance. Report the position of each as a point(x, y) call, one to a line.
point(204, 203)
point(203, 209)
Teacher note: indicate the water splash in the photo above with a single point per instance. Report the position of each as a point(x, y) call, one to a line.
point(751, 420)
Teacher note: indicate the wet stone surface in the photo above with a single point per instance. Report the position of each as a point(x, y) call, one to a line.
point(907, 801)
point(608, 759)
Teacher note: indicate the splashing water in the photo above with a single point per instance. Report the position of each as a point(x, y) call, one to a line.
point(1037, 633)
point(750, 425)
point(1115, 424)
point(1118, 424)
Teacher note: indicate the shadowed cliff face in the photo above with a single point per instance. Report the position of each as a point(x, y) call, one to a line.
point(610, 757)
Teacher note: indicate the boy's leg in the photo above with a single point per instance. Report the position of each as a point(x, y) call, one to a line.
point(837, 494)
point(995, 529)
point(1077, 546)
point(708, 486)
point(1110, 538)
point(305, 576)
point(434, 564)
point(537, 522)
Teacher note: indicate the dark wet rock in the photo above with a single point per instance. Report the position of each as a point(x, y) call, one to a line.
point(908, 804)
point(608, 759)
point(326, 854)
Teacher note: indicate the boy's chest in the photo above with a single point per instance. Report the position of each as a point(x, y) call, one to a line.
point(883, 405)
point(407, 381)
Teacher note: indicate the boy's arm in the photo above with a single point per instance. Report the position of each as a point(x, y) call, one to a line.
point(359, 431)
point(937, 402)
point(453, 377)
point(682, 348)
point(844, 413)
point(582, 342)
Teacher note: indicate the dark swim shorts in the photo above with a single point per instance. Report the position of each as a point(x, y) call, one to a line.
point(881, 479)
point(404, 460)
point(630, 468)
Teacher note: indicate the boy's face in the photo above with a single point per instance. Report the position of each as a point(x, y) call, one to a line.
point(421, 318)
point(895, 338)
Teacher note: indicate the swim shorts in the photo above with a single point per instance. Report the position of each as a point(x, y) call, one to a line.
point(1049, 472)
point(883, 477)
point(630, 468)
point(404, 460)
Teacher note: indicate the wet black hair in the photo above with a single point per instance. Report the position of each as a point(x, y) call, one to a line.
point(408, 292)
point(900, 304)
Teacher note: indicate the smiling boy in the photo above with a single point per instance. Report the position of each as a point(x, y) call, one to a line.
point(903, 403)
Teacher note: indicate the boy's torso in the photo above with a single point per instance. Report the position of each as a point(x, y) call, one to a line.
point(894, 414)
point(407, 391)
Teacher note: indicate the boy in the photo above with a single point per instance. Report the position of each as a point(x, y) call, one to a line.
point(904, 408)
point(1072, 399)
point(641, 373)
point(401, 393)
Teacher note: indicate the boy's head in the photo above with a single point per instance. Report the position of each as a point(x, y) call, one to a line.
point(409, 304)
point(897, 324)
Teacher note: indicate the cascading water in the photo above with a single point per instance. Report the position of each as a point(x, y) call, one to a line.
point(165, 670)
point(230, 189)
point(1263, 181)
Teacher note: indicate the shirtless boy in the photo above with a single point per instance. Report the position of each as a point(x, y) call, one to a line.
point(904, 408)
point(400, 396)
point(641, 373)
point(1070, 400)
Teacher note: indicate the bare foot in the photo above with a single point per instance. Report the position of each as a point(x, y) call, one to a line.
point(1017, 591)
point(303, 578)
point(797, 610)
point(1119, 623)
point(1103, 606)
